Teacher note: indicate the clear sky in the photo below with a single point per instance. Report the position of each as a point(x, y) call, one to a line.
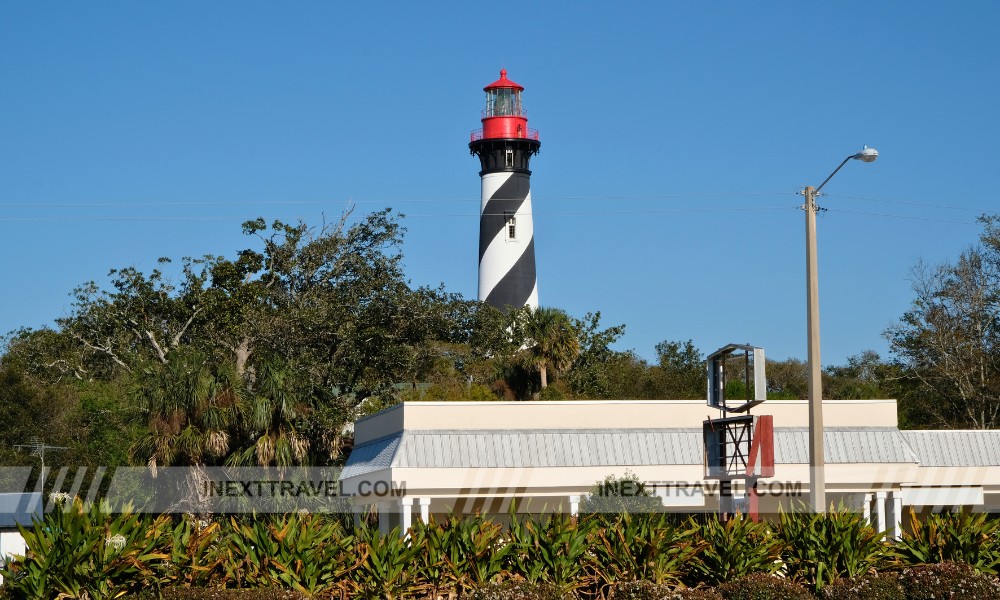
point(675, 136)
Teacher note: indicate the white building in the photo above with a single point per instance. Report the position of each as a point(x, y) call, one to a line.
point(419, 458)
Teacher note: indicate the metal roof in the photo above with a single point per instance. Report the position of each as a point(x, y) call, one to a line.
point(849, 445)
point(588, 447)
point(955, 448)
point(373, 456)
point(19, 508)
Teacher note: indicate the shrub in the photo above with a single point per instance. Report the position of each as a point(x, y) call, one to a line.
point(639, 590)
point(818, 548)
point(960, 537)
point(196, 557)
point(78, 550)
point(761, 586)
point(647, 590)
point(866, 587)
point(306, 553)
point(948, 580)
point(206, 594)
point(616, 495)
point(554, 550)
point(517, 590)
point(551, 393)
point(639, 547)
point(385, 570)
point(692, 594)
point(734, 549)
point(461, 553)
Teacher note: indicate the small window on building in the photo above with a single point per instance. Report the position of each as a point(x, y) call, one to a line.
point(510, 157)
point(511, 227)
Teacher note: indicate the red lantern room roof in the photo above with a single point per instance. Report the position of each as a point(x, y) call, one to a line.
point(503, 83)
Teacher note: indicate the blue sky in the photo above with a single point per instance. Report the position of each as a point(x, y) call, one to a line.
point(674, 139)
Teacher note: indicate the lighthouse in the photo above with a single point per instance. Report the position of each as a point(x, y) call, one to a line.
point(504, 146)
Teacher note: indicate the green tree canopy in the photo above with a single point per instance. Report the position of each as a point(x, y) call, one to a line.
point(552, 341)
point(616, 495)
point(949, 339)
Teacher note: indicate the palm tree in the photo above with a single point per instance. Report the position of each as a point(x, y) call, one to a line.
point(190, 408)
point(271, 421)
point(552, 341)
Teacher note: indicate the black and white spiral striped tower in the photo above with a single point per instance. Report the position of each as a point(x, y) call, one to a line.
point(506, 235)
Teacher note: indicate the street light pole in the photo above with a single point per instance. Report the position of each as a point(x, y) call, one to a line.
point(817, 460)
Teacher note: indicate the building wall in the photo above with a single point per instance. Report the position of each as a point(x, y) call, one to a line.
point(606, 414)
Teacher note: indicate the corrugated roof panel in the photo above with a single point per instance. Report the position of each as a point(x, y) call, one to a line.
point(684, 450)
point(533, 448)
point(955, 448)
point(656, 447)
point(373, 456)
point(590, 452)
point(640, 450)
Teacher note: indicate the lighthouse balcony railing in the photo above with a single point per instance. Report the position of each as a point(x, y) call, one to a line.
point(532, 134)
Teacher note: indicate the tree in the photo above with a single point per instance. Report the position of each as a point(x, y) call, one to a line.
point(949, 340)
point(787, 379)
point(190, 405)
point(616, 495)
point(865, 376)
point(46, 413)
point(271, 420)
point(682, 367)
point(552, 341)
point(590, 374)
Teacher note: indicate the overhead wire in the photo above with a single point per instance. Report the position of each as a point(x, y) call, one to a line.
point(595, 197)
point(542, 198)
point(427, 215)
point(871, 214)
point(909, 203)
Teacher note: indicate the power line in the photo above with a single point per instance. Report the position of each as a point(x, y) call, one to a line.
point(393, 201)
point(383, 201)
point(908, 203)
point(406, 215)
point(871, 214)
point(541, 199)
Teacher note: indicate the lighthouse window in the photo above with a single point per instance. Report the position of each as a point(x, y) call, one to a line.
point(509, 157)
point(503, 102)
point(511, 227)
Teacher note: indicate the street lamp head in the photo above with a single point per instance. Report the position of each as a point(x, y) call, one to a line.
point(867, 154)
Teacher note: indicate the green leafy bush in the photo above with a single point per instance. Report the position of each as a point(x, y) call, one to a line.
point(647, 590)
point(196, 558)
point(616, 495)
point(554, 550)
point(734, 549)
point(642, 547)
point(761, 586)
point(462, 553)
point(89, 551)
point(517, 590)
point(959, 537)
point(692, 594)
point(819, 548)
point(209, 594)
point(306, 553)
point(948, 580)
point(866, 587)
point(386, 568)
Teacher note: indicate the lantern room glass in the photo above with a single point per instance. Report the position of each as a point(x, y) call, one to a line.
point(503, 102)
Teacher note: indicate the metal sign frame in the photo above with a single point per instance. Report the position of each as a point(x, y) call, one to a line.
point(716, 365)
point(727, 447)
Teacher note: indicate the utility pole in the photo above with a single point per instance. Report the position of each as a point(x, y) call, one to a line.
point(817, 460)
